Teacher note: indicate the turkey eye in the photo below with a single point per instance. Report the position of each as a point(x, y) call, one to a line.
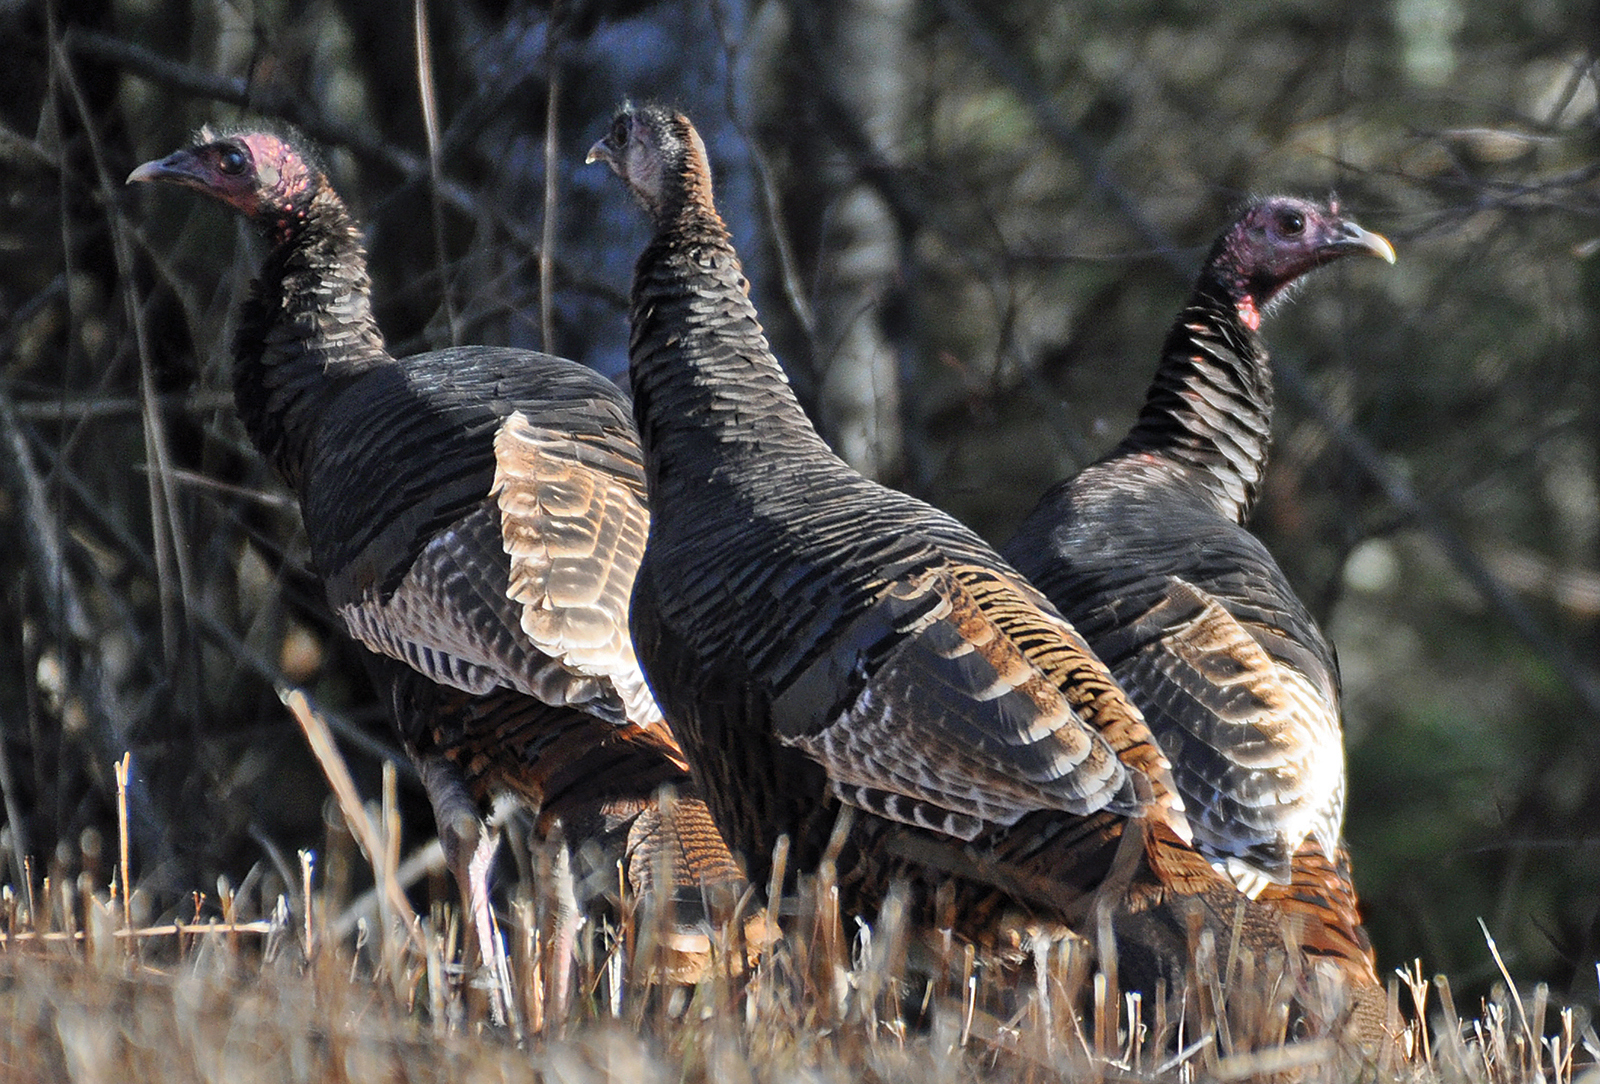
point(1291, 222)
point(232, 161)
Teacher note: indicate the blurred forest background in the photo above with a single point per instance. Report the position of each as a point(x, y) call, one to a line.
point(968, 224)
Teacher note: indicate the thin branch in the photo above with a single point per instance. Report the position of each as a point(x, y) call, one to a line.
point(788, 265)
point(210, 626)
point(278, 502)
point(174, 577)
point(20, 150)
point(100, 407)
point(430, 127)
point(1012, 71)
point(425, 860)
point(367, 835)
point(59, 589)
point(8, 791)
point(171, 929)
point(1404, 497)
point(552, 164)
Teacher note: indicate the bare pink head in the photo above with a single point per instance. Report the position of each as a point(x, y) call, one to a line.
point(267, 177)
point(1276, 240)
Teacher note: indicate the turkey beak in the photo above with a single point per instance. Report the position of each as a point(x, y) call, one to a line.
point(1353, 238)
point(179, 167)
point(602, 152)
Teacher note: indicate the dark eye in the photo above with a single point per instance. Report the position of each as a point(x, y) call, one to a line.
point(619, 130)
point(232, 161)
point(1291, 222)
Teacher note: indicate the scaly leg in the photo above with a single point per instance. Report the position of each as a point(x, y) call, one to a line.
point(567, 920)
point(469, 849)
point(491, 947)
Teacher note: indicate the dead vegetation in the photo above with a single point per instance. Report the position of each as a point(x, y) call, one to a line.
point(242, 1002)
point(330, 986)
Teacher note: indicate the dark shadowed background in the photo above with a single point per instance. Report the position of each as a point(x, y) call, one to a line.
point(968, 224)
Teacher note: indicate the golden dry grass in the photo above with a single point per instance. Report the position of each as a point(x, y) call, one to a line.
point(289, 996)
point(249, 1005)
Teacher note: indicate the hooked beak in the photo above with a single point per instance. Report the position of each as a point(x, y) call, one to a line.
point(179, 167)
point(1355, 239)
point(599, 153)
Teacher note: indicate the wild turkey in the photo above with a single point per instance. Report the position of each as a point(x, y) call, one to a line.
point(823, 643)
point(476, 515)
point(1146, 553)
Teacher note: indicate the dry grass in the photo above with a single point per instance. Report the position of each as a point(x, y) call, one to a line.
point(242, 1004)
point(327, 987)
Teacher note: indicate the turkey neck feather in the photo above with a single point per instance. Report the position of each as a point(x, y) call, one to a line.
point(705, 383)
point(306, 328)
point(1209, 407)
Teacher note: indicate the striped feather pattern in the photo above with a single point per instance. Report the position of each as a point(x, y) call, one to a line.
point(827, 646)
point(819, 640)
point(574, 533)
point(310, 302)
point(1147, 554)
point(416, 562)
point(476, 515)
point(1146, 551)
point(1209, 404)
point(596, 780)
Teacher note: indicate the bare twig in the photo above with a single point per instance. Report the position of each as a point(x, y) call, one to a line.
point(425, 860)
point(308, 864)
point(210, 626)
point(788, 267)
point(124, 876)
point(98, 407)
point(1006, 64)
point(1404, 497)
point(552, 173)
point(430, 126)
point(366, 834)
point(17, 148)
point(8, 791)
point(266, 498)
point(171, 929)
point(58, 588)
point(174, 578)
